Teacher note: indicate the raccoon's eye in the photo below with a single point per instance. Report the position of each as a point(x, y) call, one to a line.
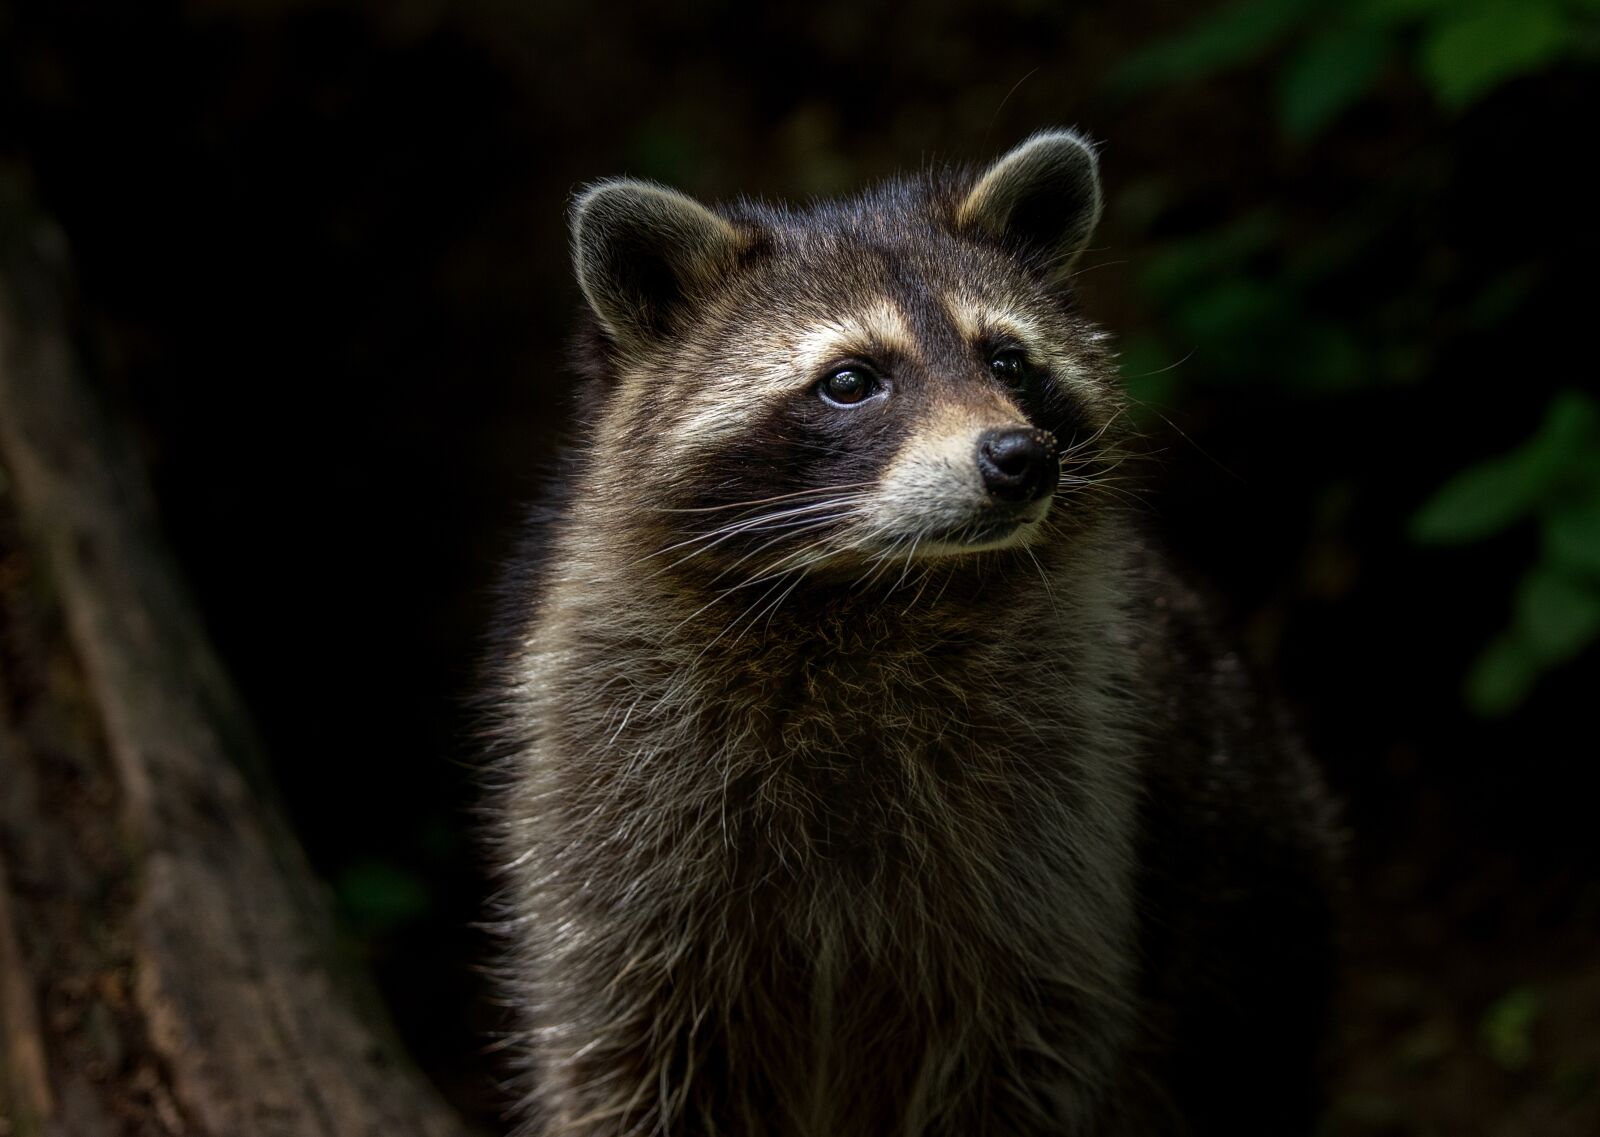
point(847, 386)
point(1012, 368)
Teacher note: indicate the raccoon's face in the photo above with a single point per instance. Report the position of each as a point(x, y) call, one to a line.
point(887, 380)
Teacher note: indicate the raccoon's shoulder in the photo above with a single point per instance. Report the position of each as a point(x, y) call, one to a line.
point(1223, 747)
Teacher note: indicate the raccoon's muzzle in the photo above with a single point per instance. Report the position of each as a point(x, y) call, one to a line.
point(1018, 465)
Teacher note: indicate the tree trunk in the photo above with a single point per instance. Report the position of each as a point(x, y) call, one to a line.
point(168, 963)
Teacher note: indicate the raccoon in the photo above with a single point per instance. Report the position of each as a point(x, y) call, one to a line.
point(864, 769)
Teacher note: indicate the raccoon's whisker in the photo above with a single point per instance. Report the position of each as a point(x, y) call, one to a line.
point(812, 492)
point(1108, 460)
point(815, 524)
point(839, 501)
point(1137, 486)
point(876, 558)
point(922, 586)
point(760, 577)
point(798, 525)
point(911, 554)
point(796, 561)
point(778, 568)
point(1095, 466)
point(1076, 273)
point(1162, 371)
point(1078, 444)
point(1073, 481)
point(734, 623)
point(714, 600)
point(892, 554)
point(1044, 579)
point(881, 561)
point(771, 608)
point(700, 549)
point(1067, 484)
point(792, 520)
point(764, 519)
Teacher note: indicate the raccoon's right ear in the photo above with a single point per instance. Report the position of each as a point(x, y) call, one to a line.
point(1042, 197)
point(642, 250)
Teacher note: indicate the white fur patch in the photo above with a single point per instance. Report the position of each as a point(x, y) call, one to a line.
point(880, 328)
point(933, 484)
point(792, 362)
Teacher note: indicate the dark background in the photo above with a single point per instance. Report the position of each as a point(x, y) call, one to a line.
point(1349, 254)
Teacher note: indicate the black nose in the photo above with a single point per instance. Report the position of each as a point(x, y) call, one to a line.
point(1018, 466)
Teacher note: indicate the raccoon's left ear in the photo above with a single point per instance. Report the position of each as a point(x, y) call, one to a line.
point(642, 252)
point(1044, 196)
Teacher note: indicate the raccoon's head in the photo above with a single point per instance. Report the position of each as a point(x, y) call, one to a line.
point(899, 376)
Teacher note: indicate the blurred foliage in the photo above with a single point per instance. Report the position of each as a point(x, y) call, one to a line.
point(1248, 299)
point(1223, 292)
point(1337, 51)
point(1553, 478)
point(1507, 1028)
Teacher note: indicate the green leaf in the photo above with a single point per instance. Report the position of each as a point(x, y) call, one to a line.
point(1507, 1027)
point(1471, 49)
point(1486, 498)
point(1225, 39)
point(1572, 422)
point(1328, 75)
point(1572, 534)
point(1480, 501)
point(1501, 677)
point(1557, 615)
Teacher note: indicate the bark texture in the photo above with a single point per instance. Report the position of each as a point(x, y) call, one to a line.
point(168, 964)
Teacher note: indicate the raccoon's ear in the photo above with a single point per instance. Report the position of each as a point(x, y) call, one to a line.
point(1043, 196)
point(641, 250)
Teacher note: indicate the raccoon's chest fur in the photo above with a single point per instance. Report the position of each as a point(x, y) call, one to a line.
point(865, 874)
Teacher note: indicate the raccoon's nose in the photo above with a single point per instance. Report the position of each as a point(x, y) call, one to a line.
point(1018, 466)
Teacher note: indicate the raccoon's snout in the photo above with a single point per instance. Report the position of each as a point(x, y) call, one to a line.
point(1018, 465)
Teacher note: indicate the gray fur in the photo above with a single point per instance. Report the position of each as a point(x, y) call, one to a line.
point(813, 829)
